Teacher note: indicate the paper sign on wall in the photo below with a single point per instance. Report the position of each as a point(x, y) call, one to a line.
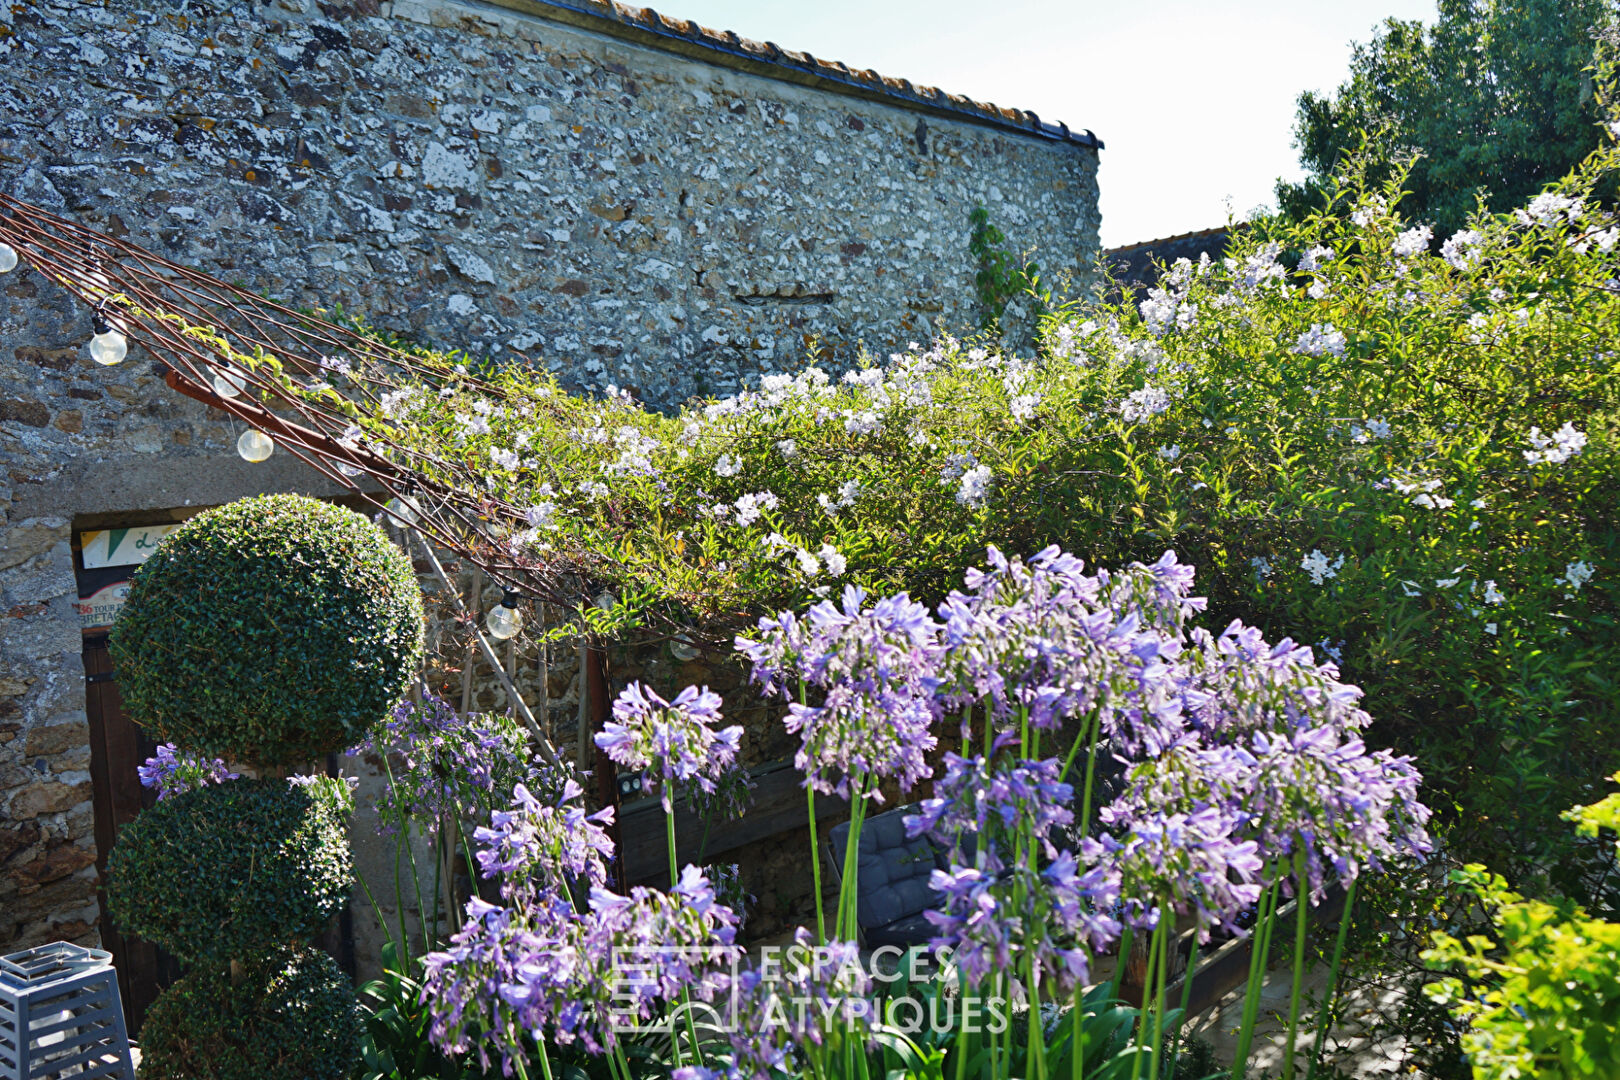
point(122, 547)
point(98, 610)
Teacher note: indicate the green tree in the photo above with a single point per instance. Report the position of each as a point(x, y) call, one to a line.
point(1497, 98)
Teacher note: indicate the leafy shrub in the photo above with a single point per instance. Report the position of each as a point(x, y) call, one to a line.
point(272, 630)
point(291, 1016)
point(1544, 998)
point(1404, 456)
point(233, 869)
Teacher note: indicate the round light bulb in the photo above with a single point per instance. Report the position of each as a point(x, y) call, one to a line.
point(255, 445)
point(108, 347)
point(227, 383)
point(8, 258)
point(403, 509)
point(503, 622)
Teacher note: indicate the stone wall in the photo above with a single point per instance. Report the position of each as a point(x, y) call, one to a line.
point(497, 176)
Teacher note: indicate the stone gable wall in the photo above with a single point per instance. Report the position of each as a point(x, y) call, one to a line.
point(460, 172)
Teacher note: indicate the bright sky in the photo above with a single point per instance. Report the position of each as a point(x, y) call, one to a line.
point(1194, 98)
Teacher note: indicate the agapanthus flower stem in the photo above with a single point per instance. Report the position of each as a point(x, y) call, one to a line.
point(1155, 944)
point(1302, 919)
point(844, 924)
point(1166, 931)
point(1330, 1001)
point(1186, 999)
point(815, 867)
point(1260, 944)
point(416, 878)
point(815, 845)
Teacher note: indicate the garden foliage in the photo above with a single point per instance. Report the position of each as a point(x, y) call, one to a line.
point(271, 631)
point(234, 871)
point(1247, 778)
point(274, 630)
point(294, 1015)
point(1398, 446)
point(1497, 97)
point(1543, 997)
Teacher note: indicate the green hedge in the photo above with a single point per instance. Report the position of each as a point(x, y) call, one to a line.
point(273, 630)
point(292, 1016)
point(232, 870)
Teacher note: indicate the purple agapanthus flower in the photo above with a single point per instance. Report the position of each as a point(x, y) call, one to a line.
point(676, 741)
point(536, 847)
point(560, 959)
point(444, 763)
point(874, 670)
point(171, 771)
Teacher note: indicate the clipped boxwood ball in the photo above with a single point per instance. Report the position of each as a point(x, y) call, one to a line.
point(292, 1016)
point(232, 870)
point(273, 630)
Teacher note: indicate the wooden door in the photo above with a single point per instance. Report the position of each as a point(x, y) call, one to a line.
point(117, 749)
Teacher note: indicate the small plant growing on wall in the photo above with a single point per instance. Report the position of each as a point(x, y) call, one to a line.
point(999, 276)
point(272, 631)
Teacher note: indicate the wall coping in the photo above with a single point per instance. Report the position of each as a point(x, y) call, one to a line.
point(644, 26)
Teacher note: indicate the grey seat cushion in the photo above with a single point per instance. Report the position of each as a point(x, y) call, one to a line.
point(892, 877)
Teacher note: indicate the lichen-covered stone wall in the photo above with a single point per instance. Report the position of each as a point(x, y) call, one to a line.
point(460, 172)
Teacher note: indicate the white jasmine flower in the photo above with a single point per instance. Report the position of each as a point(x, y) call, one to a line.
point(1414, 241)
point(1142, 404)
point(1493, 595)
point(807, 562)
point(593, 489)
point(1455, 249)
point(1546, 208)
point(1320, 340)
point(1446, 583)
point(1319, 567)
point(749, 507)
point(506, 459)
point(1365, 215)
point(1262, 567)
point(1477, 504)
point(1315, 257)
point(1023, 406)
point(1169, 453)
point(1576, 574)
point(1490, 628)
point(1411, 588)
point(834, 560)
point(1433, 502)
point(1555, 449)
point(1373, 429)
point(787, 448)
point(727, 465)
point(1318, 289)
point(861, 423)
point(975, 487)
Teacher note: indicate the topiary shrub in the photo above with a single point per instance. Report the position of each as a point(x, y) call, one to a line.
point(291, 1016)
point(233, 870)
point(273, 630)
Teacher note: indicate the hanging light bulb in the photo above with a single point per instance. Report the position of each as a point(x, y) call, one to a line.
point(8, 258)
point(504, 620)
point(228, 383)
point(403, 509)
point(682, 649)
point(108, 347)
point(255, 445)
